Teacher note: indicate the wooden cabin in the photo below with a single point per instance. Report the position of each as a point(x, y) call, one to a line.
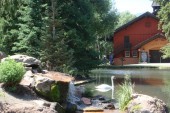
point(139, 41)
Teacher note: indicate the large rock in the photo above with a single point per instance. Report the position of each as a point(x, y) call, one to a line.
point(146, 104)
point(53, 86)
point(28, 79)
point(27, 60)
point(26, 108)
point(24, 100)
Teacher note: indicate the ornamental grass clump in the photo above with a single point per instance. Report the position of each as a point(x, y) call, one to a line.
point(11, 72)
point(124, 94)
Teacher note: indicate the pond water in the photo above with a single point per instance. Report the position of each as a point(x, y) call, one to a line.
point(153, 82)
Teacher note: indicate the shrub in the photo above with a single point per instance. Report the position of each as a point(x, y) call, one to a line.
point(88, 92)
point(124, 93)
point(11, 72)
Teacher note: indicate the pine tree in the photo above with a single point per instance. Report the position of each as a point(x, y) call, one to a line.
point(30, 30)
point(9, 27)
point(55, 52)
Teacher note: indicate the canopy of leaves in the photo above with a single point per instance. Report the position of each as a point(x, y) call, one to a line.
point(124, 17)
point(164, 23)
point(62, 33)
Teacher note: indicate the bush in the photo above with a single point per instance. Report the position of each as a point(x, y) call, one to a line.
point(11, 72)
point(88, 93)
point(124, 94)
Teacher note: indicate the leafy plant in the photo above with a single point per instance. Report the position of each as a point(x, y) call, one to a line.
point(124, 93)
point(88, 93)
point(11, 72)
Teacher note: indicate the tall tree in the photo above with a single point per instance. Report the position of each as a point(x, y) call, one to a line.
point(124, 17)
point(31, 25)
point(164, 23)
point(9, 20)
point(78, 16)
point(55, 52)
point(104, 25)
point(61, 32)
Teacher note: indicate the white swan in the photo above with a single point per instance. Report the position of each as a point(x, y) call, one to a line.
point(106, 87)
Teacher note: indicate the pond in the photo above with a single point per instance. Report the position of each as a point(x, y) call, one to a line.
point(153, 82)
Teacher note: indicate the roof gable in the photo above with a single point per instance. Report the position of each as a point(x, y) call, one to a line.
point(158, 35)
point(147, 14)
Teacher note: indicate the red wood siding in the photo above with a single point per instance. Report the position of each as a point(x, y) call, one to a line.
point(137, 31)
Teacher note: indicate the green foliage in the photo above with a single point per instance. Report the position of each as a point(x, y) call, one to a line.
point(55, 52)
point(55, 94)
point(88, 93)
point(11, 72)
point(31, 25)
point(166, 51)
point(67, 35)
point(164, 23)
point(124, 17)
point(104, 23)
point(124, 93)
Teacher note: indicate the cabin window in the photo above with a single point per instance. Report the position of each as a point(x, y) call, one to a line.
point(134, 53)
point(127, 44)
point(127, 53)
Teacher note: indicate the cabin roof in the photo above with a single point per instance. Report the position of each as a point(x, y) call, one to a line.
point(147, 14)
point(158, 35)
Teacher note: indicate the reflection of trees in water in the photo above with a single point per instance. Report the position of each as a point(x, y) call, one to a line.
point(166, 90)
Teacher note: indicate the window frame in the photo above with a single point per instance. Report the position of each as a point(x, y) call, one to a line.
point(127, 54)
point(133, 55)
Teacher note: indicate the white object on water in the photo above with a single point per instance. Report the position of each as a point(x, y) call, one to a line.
point(106, 87)
point(103, 87)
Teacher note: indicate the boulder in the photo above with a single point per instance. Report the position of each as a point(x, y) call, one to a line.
point(28, 61)
point(25, 108)
point(24, 100)
point(86, 101)
point(145, 104)
point(43, 84)
point(53, 86)
point(28, 79)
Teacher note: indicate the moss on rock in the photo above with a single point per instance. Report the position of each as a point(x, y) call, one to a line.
point(55, 93)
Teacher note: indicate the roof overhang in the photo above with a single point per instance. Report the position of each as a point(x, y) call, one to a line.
point(158, 35)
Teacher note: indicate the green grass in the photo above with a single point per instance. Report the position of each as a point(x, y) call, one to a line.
point(124, 94)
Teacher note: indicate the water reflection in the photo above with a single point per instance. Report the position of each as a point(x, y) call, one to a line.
point(153, 82)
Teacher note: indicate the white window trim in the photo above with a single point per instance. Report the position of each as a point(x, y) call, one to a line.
point(127, 53)
point(133, 53)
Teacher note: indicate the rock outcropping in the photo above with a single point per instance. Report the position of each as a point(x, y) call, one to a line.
point(25, 100)
point(27, 60)
point(145, 104)
point(37, 92)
